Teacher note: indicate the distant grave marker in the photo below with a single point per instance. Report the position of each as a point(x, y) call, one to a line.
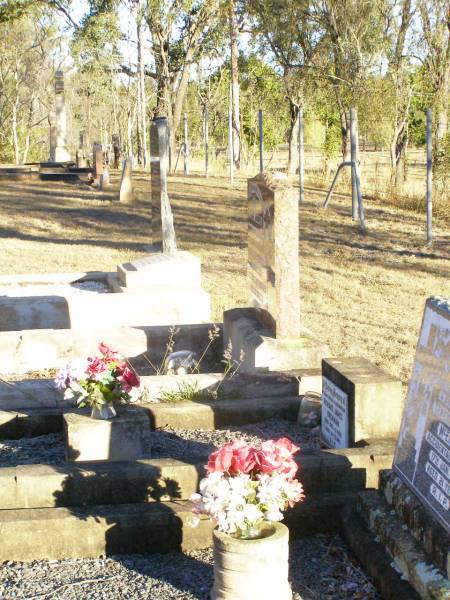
point(422, 456)
point(98, 162)
point(126, 183)
point(60, 135)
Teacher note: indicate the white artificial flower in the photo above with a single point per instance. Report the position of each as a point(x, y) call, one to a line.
point(252, 513)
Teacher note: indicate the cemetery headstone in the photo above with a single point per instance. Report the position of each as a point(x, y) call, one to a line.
point(98, 162)
point(163, 231)
point(360, 401)
point(269, 334)
point(126, 183)
point(422, 456)
point(81, 151)
point(104, 178)
point(61, 153)
point(273, 248)
point(116, 150)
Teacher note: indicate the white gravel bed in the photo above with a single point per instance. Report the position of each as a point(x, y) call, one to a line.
point(166, 442)
point(321, 568)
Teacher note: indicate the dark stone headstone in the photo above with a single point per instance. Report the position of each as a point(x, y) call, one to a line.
point(422, 456)
point(163, 231)
point(273, 261)
point(360, 401)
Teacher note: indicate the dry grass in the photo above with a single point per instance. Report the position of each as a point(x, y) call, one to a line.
point(363, 294)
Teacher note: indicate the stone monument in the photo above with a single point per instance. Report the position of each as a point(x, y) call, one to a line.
point(409, 517)
point(270, 331)
point(163, 231)
point(168, 280)
point(422, 456)
point(97, 153)
point(81, 151)
point(356, 397)
point(126, 183)
point(61, 154)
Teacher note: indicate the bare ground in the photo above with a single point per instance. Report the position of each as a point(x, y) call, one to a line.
point(362, 294)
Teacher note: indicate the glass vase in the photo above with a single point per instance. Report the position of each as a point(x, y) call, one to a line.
point(103, 412)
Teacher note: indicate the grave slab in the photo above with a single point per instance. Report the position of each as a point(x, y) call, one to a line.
point(359, 401)
point(126, 437)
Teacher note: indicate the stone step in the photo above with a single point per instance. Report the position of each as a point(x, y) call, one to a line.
point(46, 486)
point(186, 415)
point(56, 533)
point(408, 555)
point(423, 526)
point(36, 393)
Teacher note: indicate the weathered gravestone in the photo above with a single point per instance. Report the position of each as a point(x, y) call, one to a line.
point(97, 153)
point(410, 518)
point(270, 331)
point(422, 456)
point(273, 262)
point(81, 152)
point(163, 231)
point(360, 401)
point(126, 183)
point(60, 153)
point(168, 279)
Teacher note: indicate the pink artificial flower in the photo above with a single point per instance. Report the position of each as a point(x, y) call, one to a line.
point(220, 460)
point(295, 493)
point(126, 376)
point(108, 352)
point(275, 456)
point(244, 459)
point(96, 366)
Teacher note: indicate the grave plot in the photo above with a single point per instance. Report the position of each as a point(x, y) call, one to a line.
point(72, 487)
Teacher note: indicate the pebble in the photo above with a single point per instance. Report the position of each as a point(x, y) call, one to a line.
point(167, 442)
point(321, 568)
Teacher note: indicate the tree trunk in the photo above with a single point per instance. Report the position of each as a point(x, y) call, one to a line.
point(236, 121)
point(142, 100)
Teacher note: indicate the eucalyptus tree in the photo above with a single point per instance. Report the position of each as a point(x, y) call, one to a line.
point(181, 32)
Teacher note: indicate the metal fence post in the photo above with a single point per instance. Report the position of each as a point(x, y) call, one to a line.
point(206, 136)
point(186, 145)
point(261, 141)
point(353, 158)
point(429, 176)
point(230, 137)
point(301, 155)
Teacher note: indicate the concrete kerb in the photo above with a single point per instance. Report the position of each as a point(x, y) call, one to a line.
point(46, 486)
point(37, 349)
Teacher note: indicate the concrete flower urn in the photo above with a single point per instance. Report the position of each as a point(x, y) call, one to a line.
point(252, 568)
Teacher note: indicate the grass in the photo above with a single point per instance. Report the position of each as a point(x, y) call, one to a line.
point(362, 294)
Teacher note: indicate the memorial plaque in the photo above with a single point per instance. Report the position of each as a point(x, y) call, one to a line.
point(422, 456)
point(273, 262)
point(335, 415)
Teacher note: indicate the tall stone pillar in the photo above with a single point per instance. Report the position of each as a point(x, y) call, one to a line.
point(61, 154)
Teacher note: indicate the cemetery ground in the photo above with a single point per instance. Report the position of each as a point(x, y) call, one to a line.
point(362, 294)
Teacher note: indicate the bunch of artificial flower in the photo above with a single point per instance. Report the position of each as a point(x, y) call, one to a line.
point(246, 487)
point(99, 380)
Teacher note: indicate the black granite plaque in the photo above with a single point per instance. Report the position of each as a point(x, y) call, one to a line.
point(422, 456)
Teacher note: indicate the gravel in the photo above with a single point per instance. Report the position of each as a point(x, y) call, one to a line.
point(321, 568)
point(166, 442)
point(53, 289)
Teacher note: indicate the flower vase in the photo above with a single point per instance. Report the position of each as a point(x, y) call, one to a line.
point(252, 568)
point(104, 412)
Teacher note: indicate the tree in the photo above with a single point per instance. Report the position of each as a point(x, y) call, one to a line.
point(179, 32)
